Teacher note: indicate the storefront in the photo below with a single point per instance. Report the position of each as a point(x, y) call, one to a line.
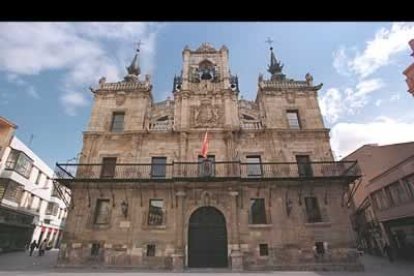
point(16, 229)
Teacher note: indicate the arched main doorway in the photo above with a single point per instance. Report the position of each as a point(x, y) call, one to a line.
point(207, 238)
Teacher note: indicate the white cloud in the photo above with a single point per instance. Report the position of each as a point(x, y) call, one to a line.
point(81, 50)
point(341, 62)
point(335, 103)
point(347, 137)
point(378, 102)
point(72, 100)
point(378, 52)
point(395, 97)
point(331, 104)
point(32, 92)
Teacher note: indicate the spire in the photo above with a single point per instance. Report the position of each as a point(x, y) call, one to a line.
point(275, 67)
point(133, 69)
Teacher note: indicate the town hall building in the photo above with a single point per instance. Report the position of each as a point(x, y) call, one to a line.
point(264, 194)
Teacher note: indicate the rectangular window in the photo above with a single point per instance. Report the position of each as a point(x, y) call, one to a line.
point(304, 166)
point(95, 249)
point(264, 249)
point(102, 211)
point(156, 212)
point(206, 166)
point(409, 187)
point(117, 122)
point(39, 175)
point(312, 209)
point(47, 221)
point(254, 166)
point(158, 167)
point(390, 199)
point(150, 250)
point(257, 211)
point(108, 167)
point(293, 119)
point(13, 191)
point(320, 249)
point(52, 208)
point(19, 162)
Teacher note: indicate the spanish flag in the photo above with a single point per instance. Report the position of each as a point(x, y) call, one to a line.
point(204, 148)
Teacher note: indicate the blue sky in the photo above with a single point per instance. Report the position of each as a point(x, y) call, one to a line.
point(47, 68)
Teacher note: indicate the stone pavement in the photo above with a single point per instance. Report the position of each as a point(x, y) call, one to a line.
point(21, 264)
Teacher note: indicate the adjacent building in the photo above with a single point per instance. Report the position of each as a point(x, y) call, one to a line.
point(31, 208)
point(409, 72)
point(264, 193)
point(384, 198)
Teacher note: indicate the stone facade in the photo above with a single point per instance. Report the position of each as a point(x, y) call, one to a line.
point(256, 180)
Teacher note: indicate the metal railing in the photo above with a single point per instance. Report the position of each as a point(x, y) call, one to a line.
point(209, 169)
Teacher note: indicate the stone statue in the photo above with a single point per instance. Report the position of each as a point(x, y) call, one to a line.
point(309, 79)
point(101, 82)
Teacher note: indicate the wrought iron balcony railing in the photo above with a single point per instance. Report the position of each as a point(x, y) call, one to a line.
point(207, 170)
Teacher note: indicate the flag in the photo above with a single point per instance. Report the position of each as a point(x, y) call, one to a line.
point(204, 148)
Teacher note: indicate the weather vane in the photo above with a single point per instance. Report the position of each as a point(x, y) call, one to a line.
point(269, 41)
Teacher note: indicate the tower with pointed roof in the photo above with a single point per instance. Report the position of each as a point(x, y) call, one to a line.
point(266, 195)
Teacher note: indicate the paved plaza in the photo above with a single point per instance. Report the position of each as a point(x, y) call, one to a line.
point(21, 264)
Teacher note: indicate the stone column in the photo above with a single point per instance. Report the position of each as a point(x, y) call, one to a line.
point(236, 255)
point(178, 257)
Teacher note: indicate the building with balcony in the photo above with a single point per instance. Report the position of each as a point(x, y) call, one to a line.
point(30, 208)
point(409, 72)
point(267, 194)
point(384, 198)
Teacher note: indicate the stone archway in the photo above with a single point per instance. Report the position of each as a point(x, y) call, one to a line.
point(207, 238)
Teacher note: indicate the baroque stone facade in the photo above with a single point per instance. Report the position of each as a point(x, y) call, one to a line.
point(268, 196)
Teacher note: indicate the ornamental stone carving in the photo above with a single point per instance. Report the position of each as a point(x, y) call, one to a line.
point(206, 115)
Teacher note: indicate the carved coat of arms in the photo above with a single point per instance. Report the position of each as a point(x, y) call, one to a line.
point(206, 115)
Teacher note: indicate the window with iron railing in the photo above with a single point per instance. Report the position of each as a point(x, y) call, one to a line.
point(264, 249)
point(150, 250)
point(304, 166)
point(156, 212)
point(158, 167)
point(254, 166)
point(206, 166)
point(108, 167)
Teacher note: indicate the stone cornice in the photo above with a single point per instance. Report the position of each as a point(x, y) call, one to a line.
point(269, 85)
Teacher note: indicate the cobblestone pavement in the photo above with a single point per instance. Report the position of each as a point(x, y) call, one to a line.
point(21, 264)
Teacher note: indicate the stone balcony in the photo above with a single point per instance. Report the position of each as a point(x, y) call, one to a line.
point(207, 171)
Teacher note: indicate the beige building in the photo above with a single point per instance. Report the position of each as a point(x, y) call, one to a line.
point(384, 199)
point(267, 195)
point(7, 129)
point(409, 72)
